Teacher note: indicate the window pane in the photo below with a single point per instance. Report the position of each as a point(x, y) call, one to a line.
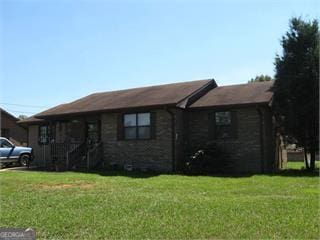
point(143, 119)
point(130, 120)
point(223, 118)
point(92, 126)
point(43, 130)
point(144, 132)
point(6, 144)
point(44, 134)
point(130, 133)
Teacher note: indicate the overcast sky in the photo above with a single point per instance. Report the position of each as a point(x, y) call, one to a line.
point(55, 51)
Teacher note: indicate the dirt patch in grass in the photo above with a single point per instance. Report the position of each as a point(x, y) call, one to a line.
point(65, 186)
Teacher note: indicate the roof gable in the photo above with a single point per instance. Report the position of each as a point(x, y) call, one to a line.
point(8, 114)
point(242, 94)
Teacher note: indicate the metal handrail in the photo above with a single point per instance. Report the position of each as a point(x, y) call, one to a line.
point(74, 154)
point(94, 155)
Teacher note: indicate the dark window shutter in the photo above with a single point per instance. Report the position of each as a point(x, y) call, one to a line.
point(234, 124)
point(39, 135)
point(120, 129)
point(153, 122)
point(212, 123)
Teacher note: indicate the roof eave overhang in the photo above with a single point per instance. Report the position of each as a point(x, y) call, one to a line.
point(28, 123)
point(101, 111)
point(229, 106)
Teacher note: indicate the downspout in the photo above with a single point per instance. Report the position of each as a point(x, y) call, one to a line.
point(28, 135)
point(261, 139)
point(173, 141)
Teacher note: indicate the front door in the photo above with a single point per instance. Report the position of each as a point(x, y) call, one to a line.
point(93, 132)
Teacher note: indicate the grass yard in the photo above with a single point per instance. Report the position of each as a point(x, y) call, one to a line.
point(96, 206)
point(299, 165)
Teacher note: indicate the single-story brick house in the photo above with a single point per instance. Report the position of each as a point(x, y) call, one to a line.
point(158, 127)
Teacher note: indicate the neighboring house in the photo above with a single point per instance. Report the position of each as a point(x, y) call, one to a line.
point(158, 127)
point(11, 130)
point(297, 154)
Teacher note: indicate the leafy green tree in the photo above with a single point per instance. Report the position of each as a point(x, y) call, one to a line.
point(261, 78)
point(296, 87)
point(21, 117)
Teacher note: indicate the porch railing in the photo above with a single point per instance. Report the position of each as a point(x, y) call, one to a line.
point(94, 156)
point(59, 150)
point(75, 158)
point(71, 156)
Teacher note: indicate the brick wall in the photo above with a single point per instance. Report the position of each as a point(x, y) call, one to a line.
point(10, 129)
point(155, 154)
point(41, 152)
point(269, 137)
point(191, 134)
point(245, 150)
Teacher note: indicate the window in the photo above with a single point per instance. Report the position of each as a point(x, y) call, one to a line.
point(223, 124)
point(137, 126)
point(76, 131)
point(5, 144)
point(43, 134)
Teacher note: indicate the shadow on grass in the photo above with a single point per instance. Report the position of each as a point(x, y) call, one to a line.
point(150, 174)
point(281, 173)
point(101, 172)
point(296, 173)
point(122, 173)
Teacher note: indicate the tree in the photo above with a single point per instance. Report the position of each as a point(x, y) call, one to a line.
point(261, 78)
point(22, 117)
point(296, 87)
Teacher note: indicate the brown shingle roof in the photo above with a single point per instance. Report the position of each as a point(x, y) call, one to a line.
point(31, 120)
point(169, 94)
point(242, 94)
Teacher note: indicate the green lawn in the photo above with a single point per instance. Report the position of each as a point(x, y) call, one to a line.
point(299, 165)
point(97, 206)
